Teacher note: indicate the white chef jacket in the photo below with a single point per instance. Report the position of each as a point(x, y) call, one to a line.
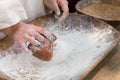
point(13, 11)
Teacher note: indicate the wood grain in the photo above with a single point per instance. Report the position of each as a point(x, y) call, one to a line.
point(111, 70)
point(87, 19)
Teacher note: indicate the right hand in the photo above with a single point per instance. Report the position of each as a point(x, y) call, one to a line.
point(29, 33)
point(55, 4)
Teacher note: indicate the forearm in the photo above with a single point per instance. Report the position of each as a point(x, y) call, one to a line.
point(10, 30)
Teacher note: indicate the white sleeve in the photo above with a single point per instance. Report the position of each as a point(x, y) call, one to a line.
point(11, 12)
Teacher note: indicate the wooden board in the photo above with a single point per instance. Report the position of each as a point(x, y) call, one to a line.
point(109, 68)
point(110, 8)
point(86, 41)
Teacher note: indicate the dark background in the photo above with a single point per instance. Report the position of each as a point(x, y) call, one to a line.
point(72, 4)
point(72, 9)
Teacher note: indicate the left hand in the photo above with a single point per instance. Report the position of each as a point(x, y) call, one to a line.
point(63, 4)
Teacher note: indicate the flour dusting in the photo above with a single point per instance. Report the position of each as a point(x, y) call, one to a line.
point(73, 53)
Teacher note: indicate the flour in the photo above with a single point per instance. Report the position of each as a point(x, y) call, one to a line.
point(2, 35)
point(73, 53)
point(68, 50)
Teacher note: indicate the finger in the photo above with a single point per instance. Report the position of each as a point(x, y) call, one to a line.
point(66, 2)
point(22, 44)
point(46, 33)
point(38, 36)
point(32, 40)
point(65, 8)
point(55, 7)
point(40, 30)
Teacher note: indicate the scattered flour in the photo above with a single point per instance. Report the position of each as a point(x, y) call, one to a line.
point(73, 53)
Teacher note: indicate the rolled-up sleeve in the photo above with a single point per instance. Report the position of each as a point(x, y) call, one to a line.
point(11, 12)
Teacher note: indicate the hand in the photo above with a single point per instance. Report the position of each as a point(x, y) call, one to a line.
point(28, 33)
point(63, 4)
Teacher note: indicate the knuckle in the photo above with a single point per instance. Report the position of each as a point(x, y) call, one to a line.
point(30, 30)
point(67, 11)
point(43, 30)
point(32, 40)
point(41, 38)
point(26, 37)
point(21, 43)
point(35, 34)
point(66, 1)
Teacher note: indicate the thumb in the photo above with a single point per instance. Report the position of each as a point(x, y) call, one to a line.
point(56, 7)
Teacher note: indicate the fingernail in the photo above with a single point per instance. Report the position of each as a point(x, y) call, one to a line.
point(27, 43)
point(58, 13)
point(38, 44)
point(51, 38)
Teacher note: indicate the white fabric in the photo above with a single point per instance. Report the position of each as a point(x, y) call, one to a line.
point(12, 11)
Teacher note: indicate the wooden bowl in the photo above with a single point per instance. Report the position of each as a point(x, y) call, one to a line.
point(104, 9)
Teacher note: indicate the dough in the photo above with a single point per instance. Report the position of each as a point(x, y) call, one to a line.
point(45, 52)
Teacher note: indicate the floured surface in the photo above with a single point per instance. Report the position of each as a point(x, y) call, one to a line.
point(77, 48)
